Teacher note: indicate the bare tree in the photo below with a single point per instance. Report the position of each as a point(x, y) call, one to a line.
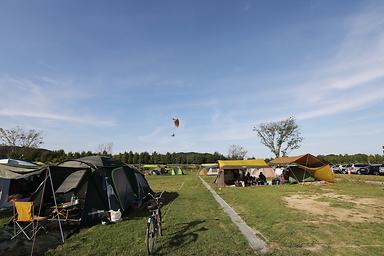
point(11, 137)
point(105, 148)
point(31, 139)
point(18, 137)
point(236, 152)
point(281, 136)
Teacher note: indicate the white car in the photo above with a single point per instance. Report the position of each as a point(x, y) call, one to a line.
point(381, 169)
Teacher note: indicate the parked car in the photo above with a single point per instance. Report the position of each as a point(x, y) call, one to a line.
point(374, 169)
point(360, 168)
point(337, 169)
point(381, 169)
point(345, 168)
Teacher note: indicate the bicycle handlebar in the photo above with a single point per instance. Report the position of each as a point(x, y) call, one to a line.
point(157, 197)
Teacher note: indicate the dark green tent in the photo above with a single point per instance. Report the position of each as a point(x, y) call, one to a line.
point(100, 183)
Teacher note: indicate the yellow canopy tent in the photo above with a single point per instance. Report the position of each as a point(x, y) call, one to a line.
point(209, 165)
point(229, 168)
point(319, 169)
point(233, 164)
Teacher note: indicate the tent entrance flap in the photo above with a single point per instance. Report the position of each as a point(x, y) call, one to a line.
point(71, 182)
point(123, 187)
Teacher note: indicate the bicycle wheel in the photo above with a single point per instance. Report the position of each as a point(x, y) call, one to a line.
point(151, 236)
point(159, 222)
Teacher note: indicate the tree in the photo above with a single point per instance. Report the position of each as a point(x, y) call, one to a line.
point(236, 152)
point(18, 137)
point(11, 137)
point(280, 137)
point(105, 148)
point(31, 139)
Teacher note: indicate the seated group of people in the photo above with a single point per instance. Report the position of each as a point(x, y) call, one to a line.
point(249, 180)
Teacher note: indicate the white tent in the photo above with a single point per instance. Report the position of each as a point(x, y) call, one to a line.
point(213, 171)
point(267, 171)
point(16, 162)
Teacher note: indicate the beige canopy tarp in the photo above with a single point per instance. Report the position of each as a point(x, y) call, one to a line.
point(310, 163)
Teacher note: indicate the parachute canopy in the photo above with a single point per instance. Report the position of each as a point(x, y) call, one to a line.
point(176, 121)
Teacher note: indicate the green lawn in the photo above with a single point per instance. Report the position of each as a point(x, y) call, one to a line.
point(343, 218)
point(194, 224)
point(360, 178)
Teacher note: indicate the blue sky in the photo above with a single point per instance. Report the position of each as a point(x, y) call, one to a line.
point(91, 72)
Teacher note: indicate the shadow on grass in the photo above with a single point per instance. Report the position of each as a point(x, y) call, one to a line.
point(186, 233)
point(167, 198)
point(46, 239)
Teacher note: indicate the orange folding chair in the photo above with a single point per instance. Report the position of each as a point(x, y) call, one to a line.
point(24, 220)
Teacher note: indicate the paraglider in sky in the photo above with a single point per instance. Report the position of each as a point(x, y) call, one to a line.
point(176, 122)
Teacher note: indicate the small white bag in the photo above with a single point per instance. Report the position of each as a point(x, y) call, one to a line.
point(115, 215)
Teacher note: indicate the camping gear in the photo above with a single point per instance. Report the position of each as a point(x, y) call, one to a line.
point(16, 162)
point(203, 172)
point(111, 185)
point(268, 172)
point(209, 169)
point(175, 170)
point(17, 182)
point(232, 170)
point(24, 220)
point(305, 168)
point(115, 215)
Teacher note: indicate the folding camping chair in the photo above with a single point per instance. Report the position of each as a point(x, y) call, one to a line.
point(24, 220)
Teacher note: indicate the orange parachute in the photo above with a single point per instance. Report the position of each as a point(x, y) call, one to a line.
point(176, 121)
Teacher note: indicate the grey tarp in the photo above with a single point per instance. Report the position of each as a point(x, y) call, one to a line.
point(12, 172)
point(8, 173)
point(4, 191)
point(101, 161)
point(71, 182)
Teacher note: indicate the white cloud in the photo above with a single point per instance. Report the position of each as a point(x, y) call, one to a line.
point(354, 78)
point(45, 98)
point(342, 105)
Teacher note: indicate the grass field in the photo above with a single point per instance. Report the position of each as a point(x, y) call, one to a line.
point(344, 218)
point(193, 225)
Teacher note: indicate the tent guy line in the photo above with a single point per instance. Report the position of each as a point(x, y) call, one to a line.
point(248, 233)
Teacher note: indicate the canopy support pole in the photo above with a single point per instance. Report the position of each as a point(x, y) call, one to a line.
point(54, 199)
point(41, 203)
point(306, 164)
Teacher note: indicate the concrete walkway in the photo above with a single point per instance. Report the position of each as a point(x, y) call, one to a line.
point(255, 242)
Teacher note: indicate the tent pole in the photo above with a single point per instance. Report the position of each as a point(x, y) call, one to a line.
point(306, 165)
point(109, 200)
point(57, 210)
point(41, 203)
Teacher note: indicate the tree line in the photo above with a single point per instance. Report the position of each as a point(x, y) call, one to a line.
point(56, 156)
point(279, 137)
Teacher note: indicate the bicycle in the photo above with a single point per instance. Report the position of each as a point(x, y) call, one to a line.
point(153, 224)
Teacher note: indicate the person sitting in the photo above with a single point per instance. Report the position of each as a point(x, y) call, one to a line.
point(262, 180)
point(248, 179)
point(276, 180)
